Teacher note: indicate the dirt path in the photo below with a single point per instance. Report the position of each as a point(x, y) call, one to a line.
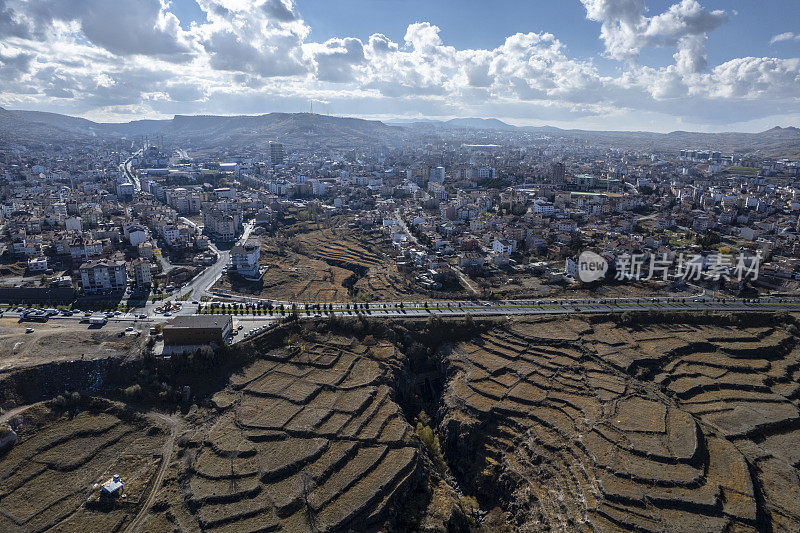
point(464, 280)
point(8, 415)
point(166, 456)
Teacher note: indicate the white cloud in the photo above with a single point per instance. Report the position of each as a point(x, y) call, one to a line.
point(337, 59)
point(625, 29)
point(143, 27)
point(786, 36)
point(264, 38)
point(256, 56)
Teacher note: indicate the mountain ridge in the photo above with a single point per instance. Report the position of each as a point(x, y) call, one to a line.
point(309, 130)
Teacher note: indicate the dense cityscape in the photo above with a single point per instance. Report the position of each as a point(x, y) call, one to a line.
point(477, 211)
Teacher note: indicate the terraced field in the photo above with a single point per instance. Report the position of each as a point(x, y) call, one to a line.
point(378, 277)
point(299, 278)
point(550, 423)
point(578, 426)
point(326, 265)
point(47, 478)
point(308, 438)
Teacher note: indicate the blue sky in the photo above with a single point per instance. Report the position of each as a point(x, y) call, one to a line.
point(482, 24)
point(705, 65)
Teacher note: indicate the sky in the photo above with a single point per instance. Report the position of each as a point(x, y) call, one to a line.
point(656, 65)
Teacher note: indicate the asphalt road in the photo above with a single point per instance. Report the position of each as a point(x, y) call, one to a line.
point(251, 325)
point(544, 307)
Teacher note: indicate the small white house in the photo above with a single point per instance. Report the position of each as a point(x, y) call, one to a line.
point(502, 247)
point(37, 264)
point(112, 487)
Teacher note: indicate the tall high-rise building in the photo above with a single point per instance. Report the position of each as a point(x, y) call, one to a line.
point(437, 175)
point(558, 173)
point(276, 154)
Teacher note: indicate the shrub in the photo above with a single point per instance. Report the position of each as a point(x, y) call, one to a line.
point(133, 392)
point(430, 440)
point(471, 508)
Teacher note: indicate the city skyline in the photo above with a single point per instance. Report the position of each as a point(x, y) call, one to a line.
point(590, 64)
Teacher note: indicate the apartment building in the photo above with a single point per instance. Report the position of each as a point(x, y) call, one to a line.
point(245, 258)
point(103, 276)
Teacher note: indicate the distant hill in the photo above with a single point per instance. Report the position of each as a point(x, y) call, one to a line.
point(479, 123)
point(455, 123)
point(311, 131)
point(301, 130)
point(18, 128)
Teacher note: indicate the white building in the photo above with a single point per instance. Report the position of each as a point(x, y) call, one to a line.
point(544, 208)
point(141, 273)
point(222, 225)
point(103, 276)
point(571, 267)
point(502, 247)
point(318, 188)
point(437, 175)
point(125, 189)
point(37, 264)
point(80, 250)
point(485, 173)
point(135, 233)
point(245, 258)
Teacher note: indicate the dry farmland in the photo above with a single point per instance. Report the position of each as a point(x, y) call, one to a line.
point(669, 423)
point(47, 479)
point(308, 438)
point(658, 428)
point(327, 265)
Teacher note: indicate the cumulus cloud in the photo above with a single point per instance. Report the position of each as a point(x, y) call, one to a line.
point(264, 38)
point(280, 10)
point(786, 36)
point(625, 30)
point(12, 67)
point(257, 56)
point(139, 27)
point(337, 59)
point(10, 24)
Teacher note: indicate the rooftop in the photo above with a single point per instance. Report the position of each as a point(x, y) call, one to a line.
point(200, 321)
